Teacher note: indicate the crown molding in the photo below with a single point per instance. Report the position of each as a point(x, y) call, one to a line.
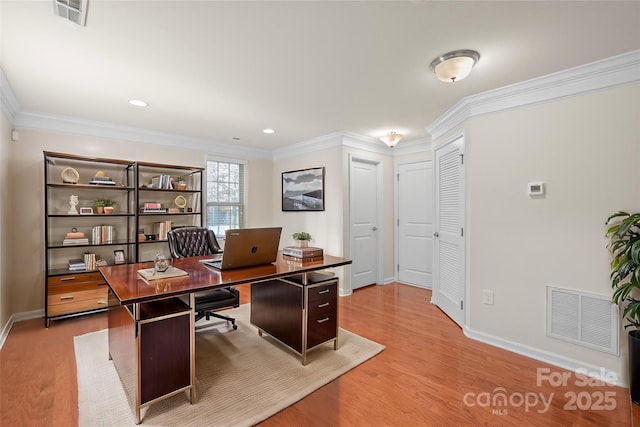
point(50, 122)
point(615, 71)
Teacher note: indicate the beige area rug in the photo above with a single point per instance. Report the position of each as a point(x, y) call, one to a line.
point(242, 378)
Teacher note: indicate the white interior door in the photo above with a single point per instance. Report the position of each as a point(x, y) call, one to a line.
point(415, 223)
point(449, 262)
point(364, 222)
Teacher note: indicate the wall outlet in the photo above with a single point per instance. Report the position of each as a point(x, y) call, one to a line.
point(487, 297)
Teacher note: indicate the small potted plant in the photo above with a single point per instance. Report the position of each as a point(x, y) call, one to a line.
point(181, 184)
point(624, 243)
point(104, 205)
point(302, 239)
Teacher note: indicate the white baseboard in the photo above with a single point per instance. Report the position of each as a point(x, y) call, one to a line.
point(563, 362)
point(18, 317)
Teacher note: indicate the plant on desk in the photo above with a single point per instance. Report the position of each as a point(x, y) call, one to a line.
point(302, 239)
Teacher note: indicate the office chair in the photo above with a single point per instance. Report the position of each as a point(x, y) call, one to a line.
point(194, 241)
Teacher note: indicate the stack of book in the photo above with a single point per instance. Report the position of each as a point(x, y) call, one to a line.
point(303, 253)
point(152, 207)
point(102, 180)
point(90, 261)
point(77, 265)
point(160, 229)
point(75, 238)
point(102, 234)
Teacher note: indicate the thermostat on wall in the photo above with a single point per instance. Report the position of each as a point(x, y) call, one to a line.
point(536, 188)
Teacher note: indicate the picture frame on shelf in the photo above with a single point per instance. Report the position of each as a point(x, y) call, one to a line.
point(86, 211)
point(118, 256)
point(303, 190)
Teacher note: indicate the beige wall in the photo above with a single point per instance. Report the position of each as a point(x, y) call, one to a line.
point(5, 140)
point(24, 263)
point(585, 148)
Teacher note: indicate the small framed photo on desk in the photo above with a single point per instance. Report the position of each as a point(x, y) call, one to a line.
point(118, 256)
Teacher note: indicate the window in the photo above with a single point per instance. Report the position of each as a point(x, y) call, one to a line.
point(225, 196)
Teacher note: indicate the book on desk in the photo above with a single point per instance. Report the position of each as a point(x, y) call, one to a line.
point(296, 252)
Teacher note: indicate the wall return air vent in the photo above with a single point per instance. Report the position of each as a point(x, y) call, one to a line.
point(73, 10)
point(584, 319)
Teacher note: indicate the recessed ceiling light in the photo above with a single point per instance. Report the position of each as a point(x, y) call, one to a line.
point(268, 130)
point(138, 103)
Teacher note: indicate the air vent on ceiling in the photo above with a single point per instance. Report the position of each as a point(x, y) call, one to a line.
point(73, 10)
point(581, 318)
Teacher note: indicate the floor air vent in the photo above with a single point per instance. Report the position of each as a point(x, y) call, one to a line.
point(580, 318)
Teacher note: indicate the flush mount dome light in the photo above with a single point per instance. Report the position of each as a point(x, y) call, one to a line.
point(269, 131)
point(138, 103)
point(454, 66)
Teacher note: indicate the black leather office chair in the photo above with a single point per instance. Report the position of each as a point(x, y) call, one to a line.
point(193, 241)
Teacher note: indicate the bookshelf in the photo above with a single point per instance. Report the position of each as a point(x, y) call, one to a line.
point(146, 204)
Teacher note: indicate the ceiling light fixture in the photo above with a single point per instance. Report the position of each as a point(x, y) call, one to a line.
point(138, 103)
point(391, 138)
point(269, 131)
point(454, 66)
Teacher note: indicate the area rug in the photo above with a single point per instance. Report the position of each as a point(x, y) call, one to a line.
point(241, 378)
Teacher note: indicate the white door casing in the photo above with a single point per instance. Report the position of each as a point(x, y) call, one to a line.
point(364, 176)
point(449, 242)
point(415, 223)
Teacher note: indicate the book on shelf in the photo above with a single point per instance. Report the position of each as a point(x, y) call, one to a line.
point(90, 260)
point(77, 265)
point(94, 182)
point(309, 252)
point(161, 182)
point(102, 234)
point(77, 241)
point(160, 210)
point(160, 229)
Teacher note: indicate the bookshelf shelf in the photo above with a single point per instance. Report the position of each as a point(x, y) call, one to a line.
point(72, 293)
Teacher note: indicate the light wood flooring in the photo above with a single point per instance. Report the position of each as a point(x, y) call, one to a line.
point(429, 374)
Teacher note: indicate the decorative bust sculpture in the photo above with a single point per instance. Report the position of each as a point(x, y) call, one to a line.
point(73, 202)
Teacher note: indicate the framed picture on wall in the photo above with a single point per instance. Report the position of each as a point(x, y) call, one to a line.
point(303, 190)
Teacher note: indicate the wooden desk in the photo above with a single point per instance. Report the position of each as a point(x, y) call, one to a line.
point(152, 330)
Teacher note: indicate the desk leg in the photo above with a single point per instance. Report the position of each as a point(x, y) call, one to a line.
point(193, 397)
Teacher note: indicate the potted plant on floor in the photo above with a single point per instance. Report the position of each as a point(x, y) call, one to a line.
point(302, 239)
point(624, 243)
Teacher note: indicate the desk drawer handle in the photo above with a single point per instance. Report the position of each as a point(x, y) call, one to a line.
point(66, 297)
point(322, 320)
point(323, 305)
point(324, 291)
point(102, 302)
point(64, 279)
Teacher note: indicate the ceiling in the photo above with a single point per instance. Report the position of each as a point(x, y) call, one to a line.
point(219, 70)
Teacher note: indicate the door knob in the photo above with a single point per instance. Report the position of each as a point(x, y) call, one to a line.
point(374, 228)
point(436, 234)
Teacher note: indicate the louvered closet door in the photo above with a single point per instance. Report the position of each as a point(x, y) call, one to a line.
point(449, 277)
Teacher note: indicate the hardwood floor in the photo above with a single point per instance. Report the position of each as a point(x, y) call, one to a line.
point(429, 374)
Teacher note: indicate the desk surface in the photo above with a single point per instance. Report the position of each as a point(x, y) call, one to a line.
point(130, 288)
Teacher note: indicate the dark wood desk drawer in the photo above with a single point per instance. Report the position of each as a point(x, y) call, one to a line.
point(323, 291)
point(321, 327)
point(325, 305)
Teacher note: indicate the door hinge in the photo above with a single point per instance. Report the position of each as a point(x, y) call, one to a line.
point(398, 267)
point(398, 222)
point(461, 305)
point(397, 177)
point(462, 159)
point(462, 232)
